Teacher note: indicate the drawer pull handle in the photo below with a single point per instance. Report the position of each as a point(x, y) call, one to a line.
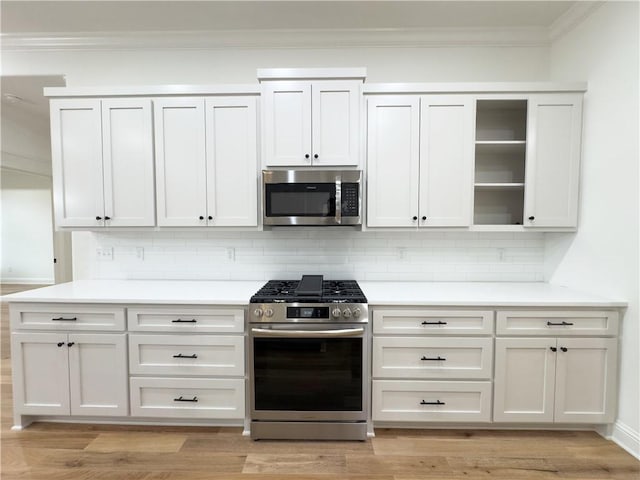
point(185, 356)
point(439, 322)
point(437, 402)
point(436, 359)
point(561, 324)
point(179, 320)
point(62, 319)
point(182, 399)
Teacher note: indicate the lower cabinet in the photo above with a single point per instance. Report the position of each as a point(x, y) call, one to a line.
point(70, 374)
point(182, 366)
point(432, 365)
point(564, 380)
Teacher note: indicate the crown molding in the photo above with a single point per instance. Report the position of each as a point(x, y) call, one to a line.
point(572, 17)
point(289, 39)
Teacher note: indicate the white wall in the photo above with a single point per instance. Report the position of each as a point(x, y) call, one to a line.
point(26, 229)
point(196, 66)
point(603, 256)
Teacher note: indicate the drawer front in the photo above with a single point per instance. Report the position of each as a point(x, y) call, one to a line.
point(187, 398)
point(216, 355)
point(186, 319)
point(432, 322)
point(66, 317)
point(440, 357)
point(557, 323)
point(422, 401)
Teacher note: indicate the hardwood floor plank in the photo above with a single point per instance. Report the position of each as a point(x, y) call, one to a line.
point(132, 442)
point(436, 467)
point(294, 464)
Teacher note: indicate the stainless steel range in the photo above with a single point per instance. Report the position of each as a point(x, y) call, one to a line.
point(308, 360)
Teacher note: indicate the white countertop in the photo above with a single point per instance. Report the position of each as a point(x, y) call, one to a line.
point(489, 294)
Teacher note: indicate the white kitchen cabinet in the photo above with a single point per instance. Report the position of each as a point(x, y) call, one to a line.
point(312, 123)
point(420, 375)
point(563, 380)
point(527, 160)
point(102, 158)
point(553, 161)
point(69, 374)
point(206, 161)
point(420, 159)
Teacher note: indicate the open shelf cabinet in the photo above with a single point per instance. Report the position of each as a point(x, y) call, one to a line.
point(500, 152)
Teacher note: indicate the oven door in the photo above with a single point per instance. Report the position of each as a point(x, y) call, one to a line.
point(308, 372)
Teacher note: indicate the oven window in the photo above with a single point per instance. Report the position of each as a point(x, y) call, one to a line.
point(308, 374)
point(300, 200)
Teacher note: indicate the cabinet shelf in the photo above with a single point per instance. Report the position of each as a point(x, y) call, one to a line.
point(499, 186)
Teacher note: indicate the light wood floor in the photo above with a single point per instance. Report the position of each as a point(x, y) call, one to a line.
point(97, 452)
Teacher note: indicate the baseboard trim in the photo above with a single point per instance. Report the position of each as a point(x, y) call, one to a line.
point(28, 281)
point(627, 438)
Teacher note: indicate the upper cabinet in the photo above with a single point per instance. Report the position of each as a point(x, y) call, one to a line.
point(102, 158)
point(527, 160)
point(206, 161)
point(420, 159)
point(313, 120)
point(311, 123)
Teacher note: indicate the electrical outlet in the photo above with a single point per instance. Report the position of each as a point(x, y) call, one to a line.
point(104, 253)
point(501, 254)
point(402, 253)
point(140, 253)
point(231, 254)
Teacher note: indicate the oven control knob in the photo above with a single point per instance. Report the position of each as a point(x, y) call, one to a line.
point(356, 312)
point(257, 312)
point(268, 312)
point(336, 312)
point(346, 313)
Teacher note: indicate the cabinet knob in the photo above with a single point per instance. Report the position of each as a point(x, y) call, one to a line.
point(415, 218)
point(60, 344)
point(71, 344)
point(98, 217)
point(107, 218)
point(532, 218)
point(424, 217)
point(553, 349)
point(210, 217)
point(306, 155)
point(315, 155)
point(564, 349)
point(201, 217)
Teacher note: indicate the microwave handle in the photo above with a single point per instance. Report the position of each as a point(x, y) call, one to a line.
point(338, 199)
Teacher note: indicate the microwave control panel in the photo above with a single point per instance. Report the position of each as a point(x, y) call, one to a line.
point(350, 200)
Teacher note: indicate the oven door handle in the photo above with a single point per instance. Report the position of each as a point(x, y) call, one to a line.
point(346, 332)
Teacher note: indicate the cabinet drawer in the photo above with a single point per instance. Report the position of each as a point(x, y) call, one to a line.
point(187, 398)
point(186, 355)
point(401, 357)
point(186, 319)
point(421, 401)
point(433, 322)
point(557, 323)
point(51, 316)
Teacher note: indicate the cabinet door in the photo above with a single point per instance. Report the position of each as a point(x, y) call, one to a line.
point(524, 380)
point(40, 373)
point(127, 152)
point(98, 374)
point(553, 160)
point(287, 123)
point(232, 182)
point(446, 160)
point(180, 162)
point(76, 154)
point(586, 380)
point(393, 155)
point(335, 123)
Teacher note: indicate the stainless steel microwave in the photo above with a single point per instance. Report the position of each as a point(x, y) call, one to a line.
point(312, 197)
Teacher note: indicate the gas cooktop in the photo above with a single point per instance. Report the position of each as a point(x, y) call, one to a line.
point(311, 289)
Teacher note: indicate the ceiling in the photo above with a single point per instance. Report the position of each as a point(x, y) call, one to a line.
point(23, 17)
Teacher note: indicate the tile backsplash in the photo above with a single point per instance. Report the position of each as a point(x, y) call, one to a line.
point(333, 252)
